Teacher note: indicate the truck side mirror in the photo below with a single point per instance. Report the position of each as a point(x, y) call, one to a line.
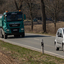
point(24, 17)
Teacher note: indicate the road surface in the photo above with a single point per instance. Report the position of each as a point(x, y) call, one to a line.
point(33, 41)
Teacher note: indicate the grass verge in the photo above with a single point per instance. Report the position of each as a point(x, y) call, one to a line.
point(27, 56)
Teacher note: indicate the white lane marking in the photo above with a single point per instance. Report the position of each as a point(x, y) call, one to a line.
point(49, 46)
point(40, 40)
point(32, 48)
point(36, 39)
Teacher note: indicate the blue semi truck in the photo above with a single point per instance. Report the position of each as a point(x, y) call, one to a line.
point(12, 24)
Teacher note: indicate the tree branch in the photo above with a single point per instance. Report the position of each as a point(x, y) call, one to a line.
point(16, 5)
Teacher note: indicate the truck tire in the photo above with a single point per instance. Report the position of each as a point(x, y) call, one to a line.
point(5, 36)
point(57, 48)
point(23, 35)
point(2, 34)
point(16, 35)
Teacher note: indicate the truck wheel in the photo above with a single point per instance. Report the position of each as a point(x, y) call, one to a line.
point(23, 35)
point(57, 48)
point(18, 35)
point(2, 35)
point(63, 47)
point(15, 35)
point(5, 36)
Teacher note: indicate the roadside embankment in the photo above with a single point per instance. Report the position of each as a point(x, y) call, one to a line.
point(20, 55)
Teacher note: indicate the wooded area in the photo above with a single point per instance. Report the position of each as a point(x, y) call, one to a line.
point(40, 9)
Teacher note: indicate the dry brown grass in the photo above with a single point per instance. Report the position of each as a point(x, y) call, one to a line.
point(49, 27)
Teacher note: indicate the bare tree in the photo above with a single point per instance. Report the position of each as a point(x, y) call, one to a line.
point(43, 15)
point(54, 8)
point(2, 1)
point(30, 6)
point(30, 9)
point(18, 6)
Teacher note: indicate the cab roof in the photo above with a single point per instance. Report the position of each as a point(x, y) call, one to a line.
point(11, 12)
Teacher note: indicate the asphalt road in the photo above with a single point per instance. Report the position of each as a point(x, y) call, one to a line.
point(33, 41)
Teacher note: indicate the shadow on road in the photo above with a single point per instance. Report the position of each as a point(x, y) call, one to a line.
point(27, 36)
point(33, 36)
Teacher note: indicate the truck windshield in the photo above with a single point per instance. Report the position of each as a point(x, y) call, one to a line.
point(14, 17)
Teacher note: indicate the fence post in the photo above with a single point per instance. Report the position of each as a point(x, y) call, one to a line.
point(42, 45)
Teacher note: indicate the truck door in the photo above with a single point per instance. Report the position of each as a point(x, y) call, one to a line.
point(0, 20)
point(4, 21)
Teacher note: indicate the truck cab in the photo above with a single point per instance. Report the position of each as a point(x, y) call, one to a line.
point(12, 24)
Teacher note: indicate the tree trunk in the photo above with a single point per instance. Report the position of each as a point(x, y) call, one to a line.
point(31, 15)
point(43, 16)
point(55, 20)
point(55, 23)
point(30, 11)
point(55, 27)
point(31, 20)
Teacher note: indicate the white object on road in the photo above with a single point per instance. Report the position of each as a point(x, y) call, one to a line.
point(59, 40)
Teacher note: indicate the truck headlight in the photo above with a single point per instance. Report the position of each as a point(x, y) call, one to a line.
point(22, 28)
point(7, 29)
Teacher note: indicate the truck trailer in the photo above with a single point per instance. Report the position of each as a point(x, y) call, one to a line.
point(11, 23)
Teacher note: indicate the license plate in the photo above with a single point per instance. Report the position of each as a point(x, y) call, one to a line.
point(15, 29)
point(14, 25)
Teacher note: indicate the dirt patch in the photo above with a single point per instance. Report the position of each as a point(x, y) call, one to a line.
point(5, 59)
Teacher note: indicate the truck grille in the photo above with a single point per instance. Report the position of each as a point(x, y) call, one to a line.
point(14, 25)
